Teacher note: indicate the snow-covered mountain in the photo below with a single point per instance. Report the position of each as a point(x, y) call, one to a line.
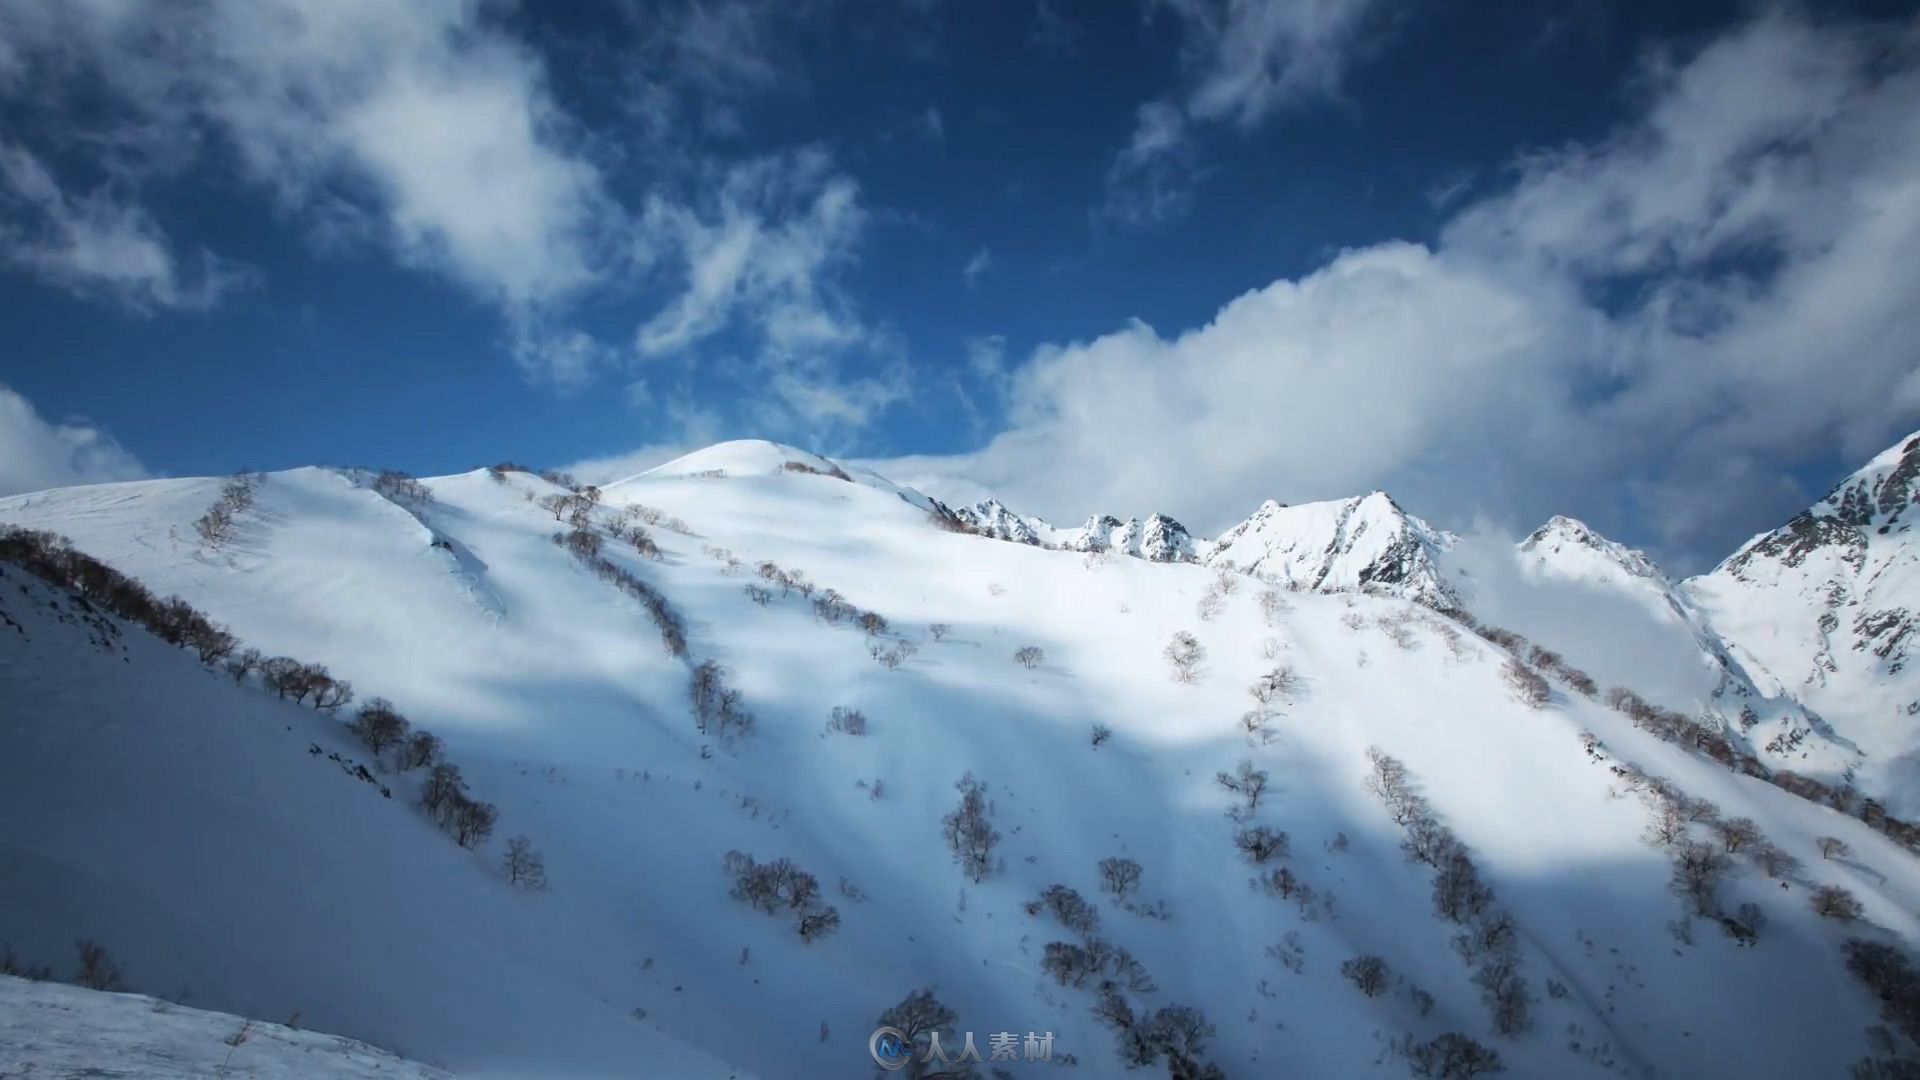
point(644, 679)
point(1828, 605)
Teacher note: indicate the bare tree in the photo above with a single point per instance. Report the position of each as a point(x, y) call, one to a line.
point(1835, 902)
point(1697, 870)
point(1185, 653)
point(1737, 833)
point(420, 750)
point(970, 836)
point(379, 725)
point(1101, 733)
point(1119, 876)
point(939, 631)
point(525, 867)
point(1774, 861)
point(916, 1019)
point(759, 594)
point(473, 820)
point(1246, 781)
point(98, 971)
point(1261, 843)
point(1832, 847)
point(1369, 973)
point(1276, 683)
point(444, 784)
point(1272, 604)
point(1029, 656)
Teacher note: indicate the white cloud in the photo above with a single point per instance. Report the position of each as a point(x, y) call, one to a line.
point(98, 244)
point(437, 122)
point(981, 261)
point(1681, 311)
point(35, 454)
point(431, 130)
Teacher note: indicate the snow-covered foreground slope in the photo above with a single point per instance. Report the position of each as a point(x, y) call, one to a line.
point(175, 817)
point(47, 1029)
point(1830, 604)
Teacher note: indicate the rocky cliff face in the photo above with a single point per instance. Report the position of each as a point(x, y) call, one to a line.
point(1828, 603)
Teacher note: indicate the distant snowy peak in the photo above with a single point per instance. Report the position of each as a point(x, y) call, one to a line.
point(992, 519)
point(1836, 532)
point(1368, 541)
point(1569, 548)
point(1158, 539)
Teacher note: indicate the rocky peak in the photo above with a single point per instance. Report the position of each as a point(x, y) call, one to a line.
point(1363, 542)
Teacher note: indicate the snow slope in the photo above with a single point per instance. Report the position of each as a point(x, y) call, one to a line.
point(1828, 604)
point(173, 816)
point(50, 1029)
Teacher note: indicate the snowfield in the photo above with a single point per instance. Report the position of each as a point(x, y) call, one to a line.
point(203, 831)
point(47, 1029)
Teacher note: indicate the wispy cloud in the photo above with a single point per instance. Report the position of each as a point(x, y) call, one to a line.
point(981, 261)
point(1248, 60)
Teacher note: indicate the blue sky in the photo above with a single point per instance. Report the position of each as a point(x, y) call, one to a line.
point(1653, 265)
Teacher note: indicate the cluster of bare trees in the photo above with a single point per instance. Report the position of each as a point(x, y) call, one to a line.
point(1267, 691)
point(1887, 971)
point(832, 470)
point(401, 488)
point(847, 720)
point(1681, 729)
point(1176, 1033)
point(891, 656)
point(673, 630)
point(635, 535)
point(1707, 738)
point(236, 498)
point(1452, 1056)
point(575, 508)
point(444, 797)
point(648, 515)
point(1069, 907)
point(1489, 939)
point(381, 727)
point(1528, 685)
point(717, 709)
point(290, 678)
point(780, 885)
point(969, 834)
